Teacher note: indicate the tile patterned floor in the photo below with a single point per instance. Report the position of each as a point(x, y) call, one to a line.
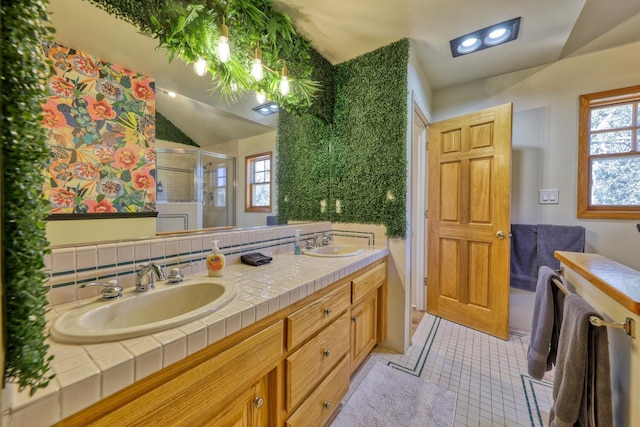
point(489, 374)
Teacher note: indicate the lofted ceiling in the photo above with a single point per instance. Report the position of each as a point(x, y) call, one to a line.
point(341, 30)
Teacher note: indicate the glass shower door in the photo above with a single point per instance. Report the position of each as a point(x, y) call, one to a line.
point(176, 195)
point(218, 190)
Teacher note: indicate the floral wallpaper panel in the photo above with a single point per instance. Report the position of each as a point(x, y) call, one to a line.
point(100, 122)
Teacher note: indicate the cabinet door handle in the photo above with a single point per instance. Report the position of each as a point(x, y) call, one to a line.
point(258, 402)
point(327, 353)
point(354, 318)
point(328, 311)
point(326, 404)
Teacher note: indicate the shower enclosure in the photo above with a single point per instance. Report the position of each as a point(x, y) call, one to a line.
point(195, 189)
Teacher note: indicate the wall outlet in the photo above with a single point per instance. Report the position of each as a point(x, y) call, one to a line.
point(548, 197)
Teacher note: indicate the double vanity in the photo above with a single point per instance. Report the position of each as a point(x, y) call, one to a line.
point(294, 331)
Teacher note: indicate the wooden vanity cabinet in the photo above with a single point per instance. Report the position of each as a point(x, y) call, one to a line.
point(364, 329)
point(292, 368)
point(368, 313)
point(323, 328)
point(250, 409)
point(207, 388)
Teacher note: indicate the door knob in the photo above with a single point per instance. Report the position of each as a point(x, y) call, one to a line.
point(500, 235)
point(258, 402)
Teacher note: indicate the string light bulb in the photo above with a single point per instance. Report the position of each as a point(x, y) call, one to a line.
point(261, 97)
point(284, 81)
point(200, 67)
point(222, 50)
point(256, 70)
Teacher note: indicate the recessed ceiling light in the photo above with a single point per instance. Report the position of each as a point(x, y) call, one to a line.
point(266, 109)
point(171, 94)
point(487, 37)
point(469, 45)
point(497, 36)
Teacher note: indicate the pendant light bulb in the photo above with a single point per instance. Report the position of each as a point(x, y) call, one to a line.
point(222, 50)
point(256, 70)
point(261, 97)
point(284, 82)
point(200, 67)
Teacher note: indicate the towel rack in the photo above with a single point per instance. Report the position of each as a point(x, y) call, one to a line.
point(629, 325)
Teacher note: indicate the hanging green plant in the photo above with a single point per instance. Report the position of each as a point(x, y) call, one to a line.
point(192, 31)
point(24, 154)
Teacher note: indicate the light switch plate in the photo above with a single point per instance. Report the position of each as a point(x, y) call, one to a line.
point(548, 196)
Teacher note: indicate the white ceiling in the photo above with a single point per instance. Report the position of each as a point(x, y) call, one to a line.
point(343, 29)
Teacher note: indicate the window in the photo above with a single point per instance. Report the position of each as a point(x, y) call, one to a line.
point(609, 154)
point(258, 183)
point(220, 187)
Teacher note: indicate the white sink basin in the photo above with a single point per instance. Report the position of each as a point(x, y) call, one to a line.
point(334, 251)
point(136, 314)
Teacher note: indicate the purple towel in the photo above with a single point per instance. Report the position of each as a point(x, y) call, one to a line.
point(533, 246)
point(524, 256)
point(553, 238)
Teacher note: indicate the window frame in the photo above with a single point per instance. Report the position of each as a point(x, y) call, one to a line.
point(587, 103)
point(249, 183)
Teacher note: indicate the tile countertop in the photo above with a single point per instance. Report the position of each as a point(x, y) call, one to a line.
point(87, 373)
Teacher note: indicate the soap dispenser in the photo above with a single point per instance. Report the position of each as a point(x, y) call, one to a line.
point(296, 248)
point(215, 261)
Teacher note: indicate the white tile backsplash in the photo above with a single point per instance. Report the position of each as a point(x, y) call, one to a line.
point(86, 258)
point(125, 253)
point(107, 255)
point(142, 251)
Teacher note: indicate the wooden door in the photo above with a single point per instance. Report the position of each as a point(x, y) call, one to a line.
point(469, 220)
point(364, 332)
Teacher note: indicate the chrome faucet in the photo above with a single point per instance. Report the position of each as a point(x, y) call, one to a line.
point(324, 239)
point(112, 289)
point(318, 239)
point(176, 276)
point(147, 275)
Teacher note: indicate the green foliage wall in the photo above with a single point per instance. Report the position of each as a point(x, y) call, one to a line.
point(324, 100)
point(167, 131)
point(303, 167)
point(23, 73)
point(364, 163)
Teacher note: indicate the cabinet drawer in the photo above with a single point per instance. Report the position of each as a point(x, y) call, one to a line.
point(368, 282)
point(305, 322)
point(324, 400)
point(308, 365)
